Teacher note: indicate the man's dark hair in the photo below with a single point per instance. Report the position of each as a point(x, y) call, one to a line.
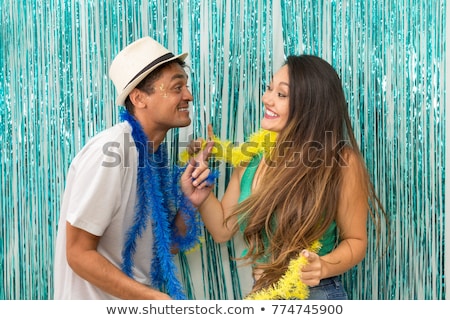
point(146, 84)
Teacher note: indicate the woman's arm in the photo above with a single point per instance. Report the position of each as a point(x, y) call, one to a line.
point(215, 212)
point(352, 225)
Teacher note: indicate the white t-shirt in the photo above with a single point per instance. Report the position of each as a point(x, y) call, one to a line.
point(100, 198)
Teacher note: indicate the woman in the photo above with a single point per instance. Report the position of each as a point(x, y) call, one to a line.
point(312, 186)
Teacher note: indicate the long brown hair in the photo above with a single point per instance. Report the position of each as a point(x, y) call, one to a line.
point(298, 195)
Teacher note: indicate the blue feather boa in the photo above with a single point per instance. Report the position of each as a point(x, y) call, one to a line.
point(159, 198)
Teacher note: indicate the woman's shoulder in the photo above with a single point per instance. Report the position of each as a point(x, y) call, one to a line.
point(353, 169)
point(351, 158)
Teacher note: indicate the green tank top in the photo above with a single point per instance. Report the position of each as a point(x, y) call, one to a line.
point(328, 240)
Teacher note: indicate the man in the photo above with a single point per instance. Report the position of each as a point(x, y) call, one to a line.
point(123, 212)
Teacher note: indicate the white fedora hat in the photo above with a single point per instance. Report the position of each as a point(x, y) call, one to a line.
point(135, 62)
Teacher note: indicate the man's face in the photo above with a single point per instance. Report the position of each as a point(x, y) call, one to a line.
point(168, 104)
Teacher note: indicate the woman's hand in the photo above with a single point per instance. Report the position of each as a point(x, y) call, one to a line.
point(194, 181)
point(195, 146)
point(311, 273)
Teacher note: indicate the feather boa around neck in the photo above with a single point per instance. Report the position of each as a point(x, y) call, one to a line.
point(159, 198)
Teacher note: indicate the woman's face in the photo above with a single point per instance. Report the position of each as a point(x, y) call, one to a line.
point(276, 102)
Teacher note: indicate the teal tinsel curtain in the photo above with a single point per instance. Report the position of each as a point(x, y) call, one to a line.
point(55, 94)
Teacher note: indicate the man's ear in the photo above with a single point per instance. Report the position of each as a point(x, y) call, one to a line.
point(137, 98)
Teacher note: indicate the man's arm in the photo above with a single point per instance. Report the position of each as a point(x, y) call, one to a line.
point(84, 259)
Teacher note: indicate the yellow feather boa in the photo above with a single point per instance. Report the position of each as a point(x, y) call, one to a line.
point(289, 286)
point(261, 141)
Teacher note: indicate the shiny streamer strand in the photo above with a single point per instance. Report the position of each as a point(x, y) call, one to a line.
point(55, 94)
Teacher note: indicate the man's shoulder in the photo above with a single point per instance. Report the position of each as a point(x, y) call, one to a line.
point(118, 128)
point(118, 136)
point(112, 142)
point(117, 131)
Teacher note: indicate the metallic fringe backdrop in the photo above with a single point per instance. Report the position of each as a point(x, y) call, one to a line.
point(55, 94)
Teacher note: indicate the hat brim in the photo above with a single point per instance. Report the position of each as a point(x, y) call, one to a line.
point(120, 100)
